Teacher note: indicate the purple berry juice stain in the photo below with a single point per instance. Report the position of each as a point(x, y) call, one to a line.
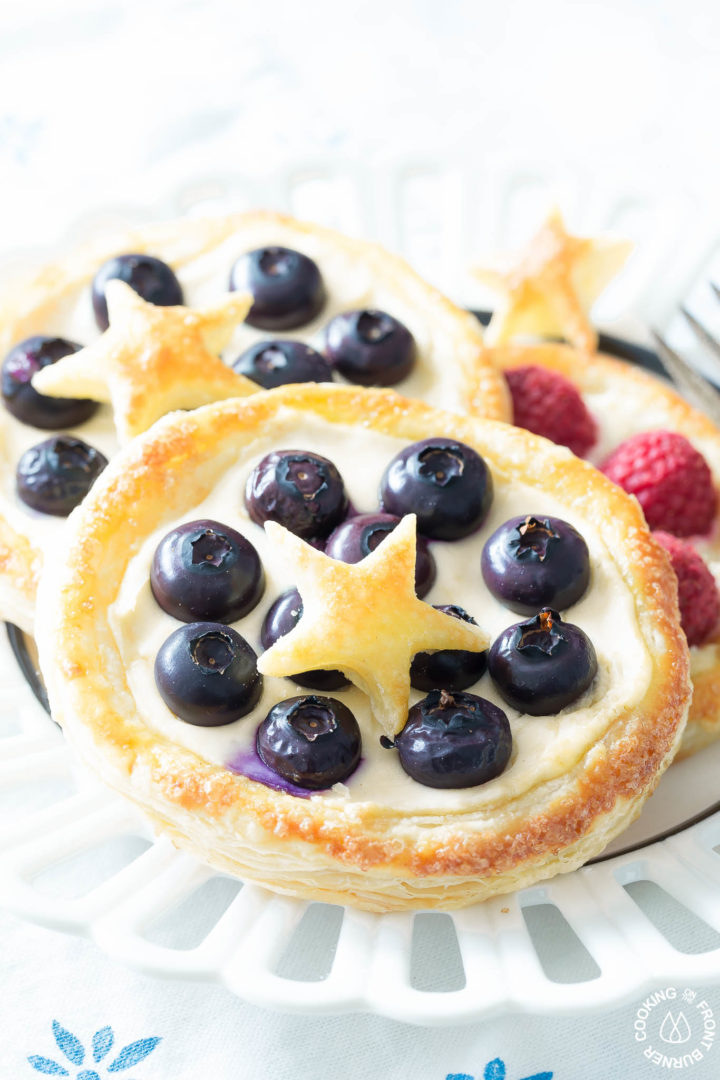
point(249, 763)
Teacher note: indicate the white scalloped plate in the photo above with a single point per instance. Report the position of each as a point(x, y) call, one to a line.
point(85, 862)
point(77, 858)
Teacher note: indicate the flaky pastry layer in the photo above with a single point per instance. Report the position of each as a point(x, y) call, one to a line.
point(476, 385)
point(364, 854)
point(650, 398)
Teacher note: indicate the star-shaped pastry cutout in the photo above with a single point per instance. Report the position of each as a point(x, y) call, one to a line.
point(152, 360)
point(363, 618)
point(550, 290)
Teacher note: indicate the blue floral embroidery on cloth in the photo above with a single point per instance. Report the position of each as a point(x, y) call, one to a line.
point(495, 1070)
point(102, 1043)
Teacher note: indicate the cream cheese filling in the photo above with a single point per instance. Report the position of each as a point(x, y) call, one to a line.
point(619, 416)
point(349, 282)
point(544, 747)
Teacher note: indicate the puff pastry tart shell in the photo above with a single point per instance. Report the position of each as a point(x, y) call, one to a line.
point(381, 841)
point(624, 401)
point(139, 384)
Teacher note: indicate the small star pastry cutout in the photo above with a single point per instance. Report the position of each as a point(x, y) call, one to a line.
point(550, 290)
point(363, 618)
point(152, 360)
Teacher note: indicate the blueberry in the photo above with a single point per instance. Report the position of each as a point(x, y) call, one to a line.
point(151, 278)
point(446, 483)
point(282, 617)
point(358, 536)
point(24, 402)
point(532, 562)
point(54, 476)
point(302, 491)
point(370, 348)
point(542, 665)
point(454, 741)
point(311, 741)
point(207, 674)
point(275, 363)
point(448, 669)
point(205, 570)
point(286, 287)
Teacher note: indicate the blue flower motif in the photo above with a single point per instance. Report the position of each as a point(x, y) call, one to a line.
point(495, 1070)
point(45, 1065)
point(70, 1046)
point(131, 1054)
point(102, 1043)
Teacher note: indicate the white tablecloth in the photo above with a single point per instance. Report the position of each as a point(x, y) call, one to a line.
point(207, 1033)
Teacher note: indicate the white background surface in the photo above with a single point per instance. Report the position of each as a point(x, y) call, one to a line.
point(101, 101)
point(111, 103)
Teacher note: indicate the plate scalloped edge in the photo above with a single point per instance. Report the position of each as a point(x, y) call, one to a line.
point(496, 948)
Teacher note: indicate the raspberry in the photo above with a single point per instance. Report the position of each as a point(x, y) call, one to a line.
point(697, 590)
point(669, 478)
point(548, 404)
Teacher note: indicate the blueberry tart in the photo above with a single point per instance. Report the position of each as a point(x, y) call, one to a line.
point(456, 752)
point(179, 315)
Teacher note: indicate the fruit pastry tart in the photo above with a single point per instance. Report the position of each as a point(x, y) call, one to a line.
point(176, 316)
point(632, 426)
point(360, 650)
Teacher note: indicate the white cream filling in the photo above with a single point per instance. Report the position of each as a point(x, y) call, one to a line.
point(619, 416)
point(349, 284)
point(544, 747)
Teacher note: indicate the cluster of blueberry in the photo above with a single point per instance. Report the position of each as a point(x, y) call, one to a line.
point(208, 575)
point(367, 347)
point(55, 475)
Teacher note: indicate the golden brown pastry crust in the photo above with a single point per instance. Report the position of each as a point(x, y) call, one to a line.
point(650, 396)
point(548, 292)
point(480, 389)
point(364, 854)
